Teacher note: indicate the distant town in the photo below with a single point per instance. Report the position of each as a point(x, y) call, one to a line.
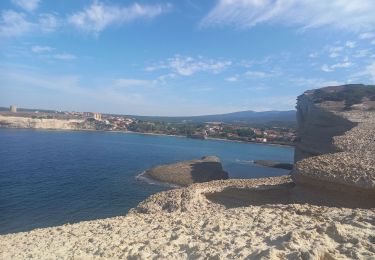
point(267, 133)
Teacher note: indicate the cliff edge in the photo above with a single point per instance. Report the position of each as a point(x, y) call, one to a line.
point(336, 151)
point(269, 218)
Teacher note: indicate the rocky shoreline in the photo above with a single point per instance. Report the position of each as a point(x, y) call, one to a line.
point(324, 210)
point(23, 122)
point(184, 173)
point(273, 164)
point(189, 223)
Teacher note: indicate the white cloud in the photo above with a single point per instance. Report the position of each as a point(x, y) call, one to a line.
point(48, 22)
point(370, 71)
point(64, 56)
point(313, 55)
point(326, 68)
point(367, 73)
point(40, 49)
point(28, 5)
point(257, 74)
point(187, 66)
point(314, 82)
point(345, 64)
point(350, 44)
point(340, 14)
point(334, 55)
point(98, 16)
point(363, 53)
point(336, 49)
point(14, 24)
point(163, 78)
point(130, 82)
point(232, 78)
point(367, 35)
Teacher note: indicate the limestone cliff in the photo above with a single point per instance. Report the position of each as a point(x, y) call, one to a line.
point(269, 218)
point(337, 139)
point(38, 123)
point(316, 128)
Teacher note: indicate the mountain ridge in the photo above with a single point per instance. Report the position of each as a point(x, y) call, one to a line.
point(247, 116)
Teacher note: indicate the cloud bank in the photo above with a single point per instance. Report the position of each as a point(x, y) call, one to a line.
point(352, 15)
point(98, 16)
point(187, 66)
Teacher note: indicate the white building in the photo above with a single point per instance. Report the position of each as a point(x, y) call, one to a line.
point(13, 108)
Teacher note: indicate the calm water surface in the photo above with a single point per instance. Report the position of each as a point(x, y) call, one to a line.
point(49, 178)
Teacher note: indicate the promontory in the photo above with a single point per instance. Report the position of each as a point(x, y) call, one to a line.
point(185, 173)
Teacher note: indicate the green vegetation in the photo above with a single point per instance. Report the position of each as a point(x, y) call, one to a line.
point(350, 94)
point(245, 132)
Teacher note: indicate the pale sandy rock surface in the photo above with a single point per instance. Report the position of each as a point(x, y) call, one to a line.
point(187, 172)
point(269, 218)
point(345, 159)
point(28, 122)
point(197, 228)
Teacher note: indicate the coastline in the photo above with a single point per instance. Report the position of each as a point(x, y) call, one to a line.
point(250, 142)
point(152, 134)
point(144, 177)
point(201, 221)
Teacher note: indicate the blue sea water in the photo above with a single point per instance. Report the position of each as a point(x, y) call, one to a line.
point(49, 178)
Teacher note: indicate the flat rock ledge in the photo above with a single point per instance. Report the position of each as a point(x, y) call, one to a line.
point(274, 164)
point(187, 172)
point(196, 223)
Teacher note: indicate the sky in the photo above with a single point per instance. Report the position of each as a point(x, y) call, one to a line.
point(185, 57)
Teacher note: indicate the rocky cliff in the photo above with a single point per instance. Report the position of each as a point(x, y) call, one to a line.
point(38, 123)
point(269, 218)
point(337, 139)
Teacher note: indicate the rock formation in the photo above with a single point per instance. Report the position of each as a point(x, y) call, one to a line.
point(337, 141)
point(328, 212)
point(274, 164)
point(185, 173)
point(38, 123)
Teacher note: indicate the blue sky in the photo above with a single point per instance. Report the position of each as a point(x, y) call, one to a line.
point(187, 57)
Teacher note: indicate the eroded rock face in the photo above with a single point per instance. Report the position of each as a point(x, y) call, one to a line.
point(37, 123)
point(187, 172)
point(317, 126)
point(337, 146)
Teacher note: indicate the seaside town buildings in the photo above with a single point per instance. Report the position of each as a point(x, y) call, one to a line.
point(96, 116)
point(13, 108)
point(221, 130)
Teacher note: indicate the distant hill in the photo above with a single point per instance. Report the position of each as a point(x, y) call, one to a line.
point(245, 117)
point(274, 118)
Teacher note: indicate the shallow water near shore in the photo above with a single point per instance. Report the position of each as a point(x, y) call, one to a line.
point(50, 178)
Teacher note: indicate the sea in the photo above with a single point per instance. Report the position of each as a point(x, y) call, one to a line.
point(50, 178)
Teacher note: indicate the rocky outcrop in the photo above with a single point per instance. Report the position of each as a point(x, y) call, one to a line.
point(187, 172)
point(231, 219)
point(38, 123)
point(337, 143)
point(274, 164)
point(325, 210)
point(317, 126)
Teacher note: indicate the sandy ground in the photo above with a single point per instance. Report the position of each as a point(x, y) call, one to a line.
point(184, 224)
